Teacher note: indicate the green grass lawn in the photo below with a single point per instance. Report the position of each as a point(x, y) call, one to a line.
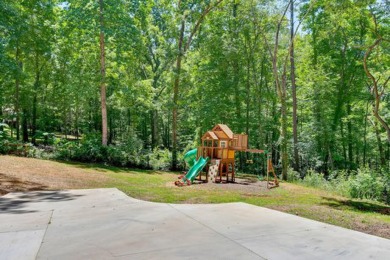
point(362, 215)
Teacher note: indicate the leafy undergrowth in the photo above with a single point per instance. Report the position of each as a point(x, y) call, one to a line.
point(23, 174)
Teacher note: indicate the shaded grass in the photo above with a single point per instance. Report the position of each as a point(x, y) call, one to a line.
point(364, 206)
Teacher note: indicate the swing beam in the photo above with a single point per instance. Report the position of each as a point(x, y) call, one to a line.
point(270, 168)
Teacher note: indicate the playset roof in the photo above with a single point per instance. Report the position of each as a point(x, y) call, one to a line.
point(225, 129)
point(210, 134)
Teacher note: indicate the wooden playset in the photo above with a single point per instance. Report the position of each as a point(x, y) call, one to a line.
point(217, 155)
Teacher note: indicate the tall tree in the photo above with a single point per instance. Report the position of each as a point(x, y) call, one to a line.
point(158, 54)
point(37, 48)
point(185, 13)
point(281, 88)
point(378, 86)
point(294, 91)
point(103, 74)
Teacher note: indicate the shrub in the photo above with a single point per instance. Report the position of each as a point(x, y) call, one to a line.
point(293, 176)
point(386, 187)
point(45, 137)
point(366, 185)
point(40, 153)
point(89, 149)
point(65, 149)
point(315, 179)
point(4, 148)
point(339, 182)
point(132, 151)
point(3, 139)
point(361, 184)
point(128, 153)
point(160, 159)
point(116, 157)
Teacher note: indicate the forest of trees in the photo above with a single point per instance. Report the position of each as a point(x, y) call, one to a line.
point(307, 80)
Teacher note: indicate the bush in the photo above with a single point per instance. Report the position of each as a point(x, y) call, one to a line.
point(116, 157)
point(386, 187)
point(4, 148)
point(293, 176)
point(361, 184)
point(160, 159)
point(45, 137)
point(386, 194)
point(315, 179)
point(3, 139)
point(339, 182)
point(366, 185)
point(64, 149)
point(128, 153)
point(40, 153)
point(89, 149)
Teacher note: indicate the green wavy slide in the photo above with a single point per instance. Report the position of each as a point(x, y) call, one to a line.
point(196, 165)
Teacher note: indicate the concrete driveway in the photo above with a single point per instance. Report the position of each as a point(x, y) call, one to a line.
point(107, 224)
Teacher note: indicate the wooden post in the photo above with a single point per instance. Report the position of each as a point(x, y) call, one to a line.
point(270, 168)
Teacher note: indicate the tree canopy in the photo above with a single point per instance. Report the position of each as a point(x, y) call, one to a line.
point(307, 80)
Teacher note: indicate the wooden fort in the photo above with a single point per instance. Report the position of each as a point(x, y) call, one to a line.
point(220, 145)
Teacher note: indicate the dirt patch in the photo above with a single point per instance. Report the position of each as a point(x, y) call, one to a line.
point(27, 174)
point(248, 187)
point(11, 184)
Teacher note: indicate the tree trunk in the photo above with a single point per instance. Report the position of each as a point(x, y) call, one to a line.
point(176, 96)
point(281, 90)
point(77, 117)
point(154, 127)
point(154, 115)
point(174, 114)
point(379, 141)
point(343, 142)
point(144, 129)
point(236, 72)
point(248, 98)
point(365, 135)
point(260, 105)
point(322, 145)
point(357, 156)
point(1, 115)
point(34, 105)
point(349, 126)
point(166, 133)
point(34, 120)
point(280, 84)
point(111, 127)
point(237, 95)
point(293, 88)
point(17, 92)
point(24, 126)
point(103, 76)
point(284, 138)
